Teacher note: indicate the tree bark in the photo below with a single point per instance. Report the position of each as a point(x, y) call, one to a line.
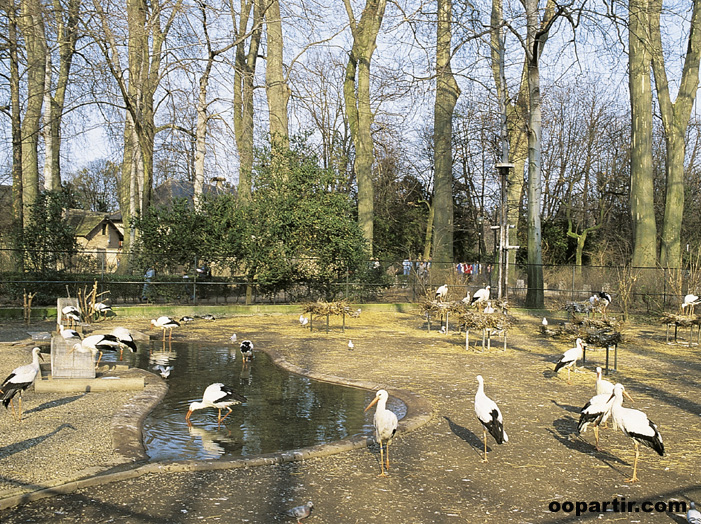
point(641, 173)
point(31, 24)
point(276, 88)
point(675, 119)
point(244, 73)
point(358, 110)
point(447, 93)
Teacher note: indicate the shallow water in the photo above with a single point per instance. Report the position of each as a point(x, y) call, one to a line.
point(283, 411)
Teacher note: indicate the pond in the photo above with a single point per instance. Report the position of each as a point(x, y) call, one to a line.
point(283, 411)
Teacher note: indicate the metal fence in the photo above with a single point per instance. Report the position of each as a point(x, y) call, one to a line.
point(633, 289)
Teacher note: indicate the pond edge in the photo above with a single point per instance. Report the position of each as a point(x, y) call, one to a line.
point(127, 438)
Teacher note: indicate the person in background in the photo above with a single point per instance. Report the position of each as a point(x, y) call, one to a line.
point(148, 277)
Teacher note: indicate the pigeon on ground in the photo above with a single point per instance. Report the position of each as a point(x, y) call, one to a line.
point(301, 512)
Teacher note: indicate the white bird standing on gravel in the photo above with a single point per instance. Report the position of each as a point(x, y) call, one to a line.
point(637, 426)
point(20, 379)
point(489, 415)
point(570, 357)
point(386, 423)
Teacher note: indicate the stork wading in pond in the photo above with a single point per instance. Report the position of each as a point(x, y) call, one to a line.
point(489, 415)
point(218, 396)
point(441, 292)
point(165, 323)
point(481, 295)
point(385, 422)
point(596, 412)
point(570, 357)
point(635, 424)
point(19, 380)
point(246, 348)
point(125, 339)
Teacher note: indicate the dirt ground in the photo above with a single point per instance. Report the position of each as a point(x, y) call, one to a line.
point(437, 475)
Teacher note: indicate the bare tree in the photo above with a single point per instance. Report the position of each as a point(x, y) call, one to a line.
point(675, 119)
point(358, 110)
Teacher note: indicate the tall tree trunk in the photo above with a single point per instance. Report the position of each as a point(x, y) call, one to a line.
point(675, 119)
point(641, 174)
point(31, 24)
point(535, 293)
point(447, 93)
point(358, 110)
point(276, 88)
point(66, 20)
point(244, 73)
point(16, 124)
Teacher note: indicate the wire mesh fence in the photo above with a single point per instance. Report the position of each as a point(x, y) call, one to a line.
point(216, 282)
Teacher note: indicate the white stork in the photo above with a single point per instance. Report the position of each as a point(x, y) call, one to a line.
point(603, 386)
point(570, 357)
point(97, 344)
point(488, 310)
point(301, 512)
point(441, 292)
point(125, 339)
point(596, 412)
point(165, 323)
point(466, 300)
point(688, 304)
point(72, 313)
point(19, 380)
point(68, 333)
point(481, 295)
point(489, 415)
point(217, 396)
point(246, 348)
point(693, 516)
point(102, 308)
point(636, 425)
point(385, 422)
point(601, 298)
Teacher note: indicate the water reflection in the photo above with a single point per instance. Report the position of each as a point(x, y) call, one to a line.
point(284, 411)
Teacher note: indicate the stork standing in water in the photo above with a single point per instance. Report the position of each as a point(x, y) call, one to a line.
point(636, 425)
point(19, 380)
point(246, 348)
point(441, 292)
point(570, 357)
point(489, 415)
point(165, 323)
point(125, 340)
point(217, 396)
point(481, 295)
point(385, 422)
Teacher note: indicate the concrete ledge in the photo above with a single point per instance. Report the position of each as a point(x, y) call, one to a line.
point(71, 385)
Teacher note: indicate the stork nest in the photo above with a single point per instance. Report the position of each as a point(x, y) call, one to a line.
point(493, 321)
point(595, 332)
point(679, 320)
point(578, 307)
point(321, 308)
point(433, 307)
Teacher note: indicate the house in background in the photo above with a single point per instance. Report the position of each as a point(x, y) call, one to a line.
point(98, 234)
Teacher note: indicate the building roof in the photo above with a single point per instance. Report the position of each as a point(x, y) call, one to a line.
point(174, 189)
point(84, 222)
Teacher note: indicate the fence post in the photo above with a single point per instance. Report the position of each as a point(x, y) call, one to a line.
point(573, 283)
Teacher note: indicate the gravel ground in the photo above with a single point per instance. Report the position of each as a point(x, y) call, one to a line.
point(437, 475)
